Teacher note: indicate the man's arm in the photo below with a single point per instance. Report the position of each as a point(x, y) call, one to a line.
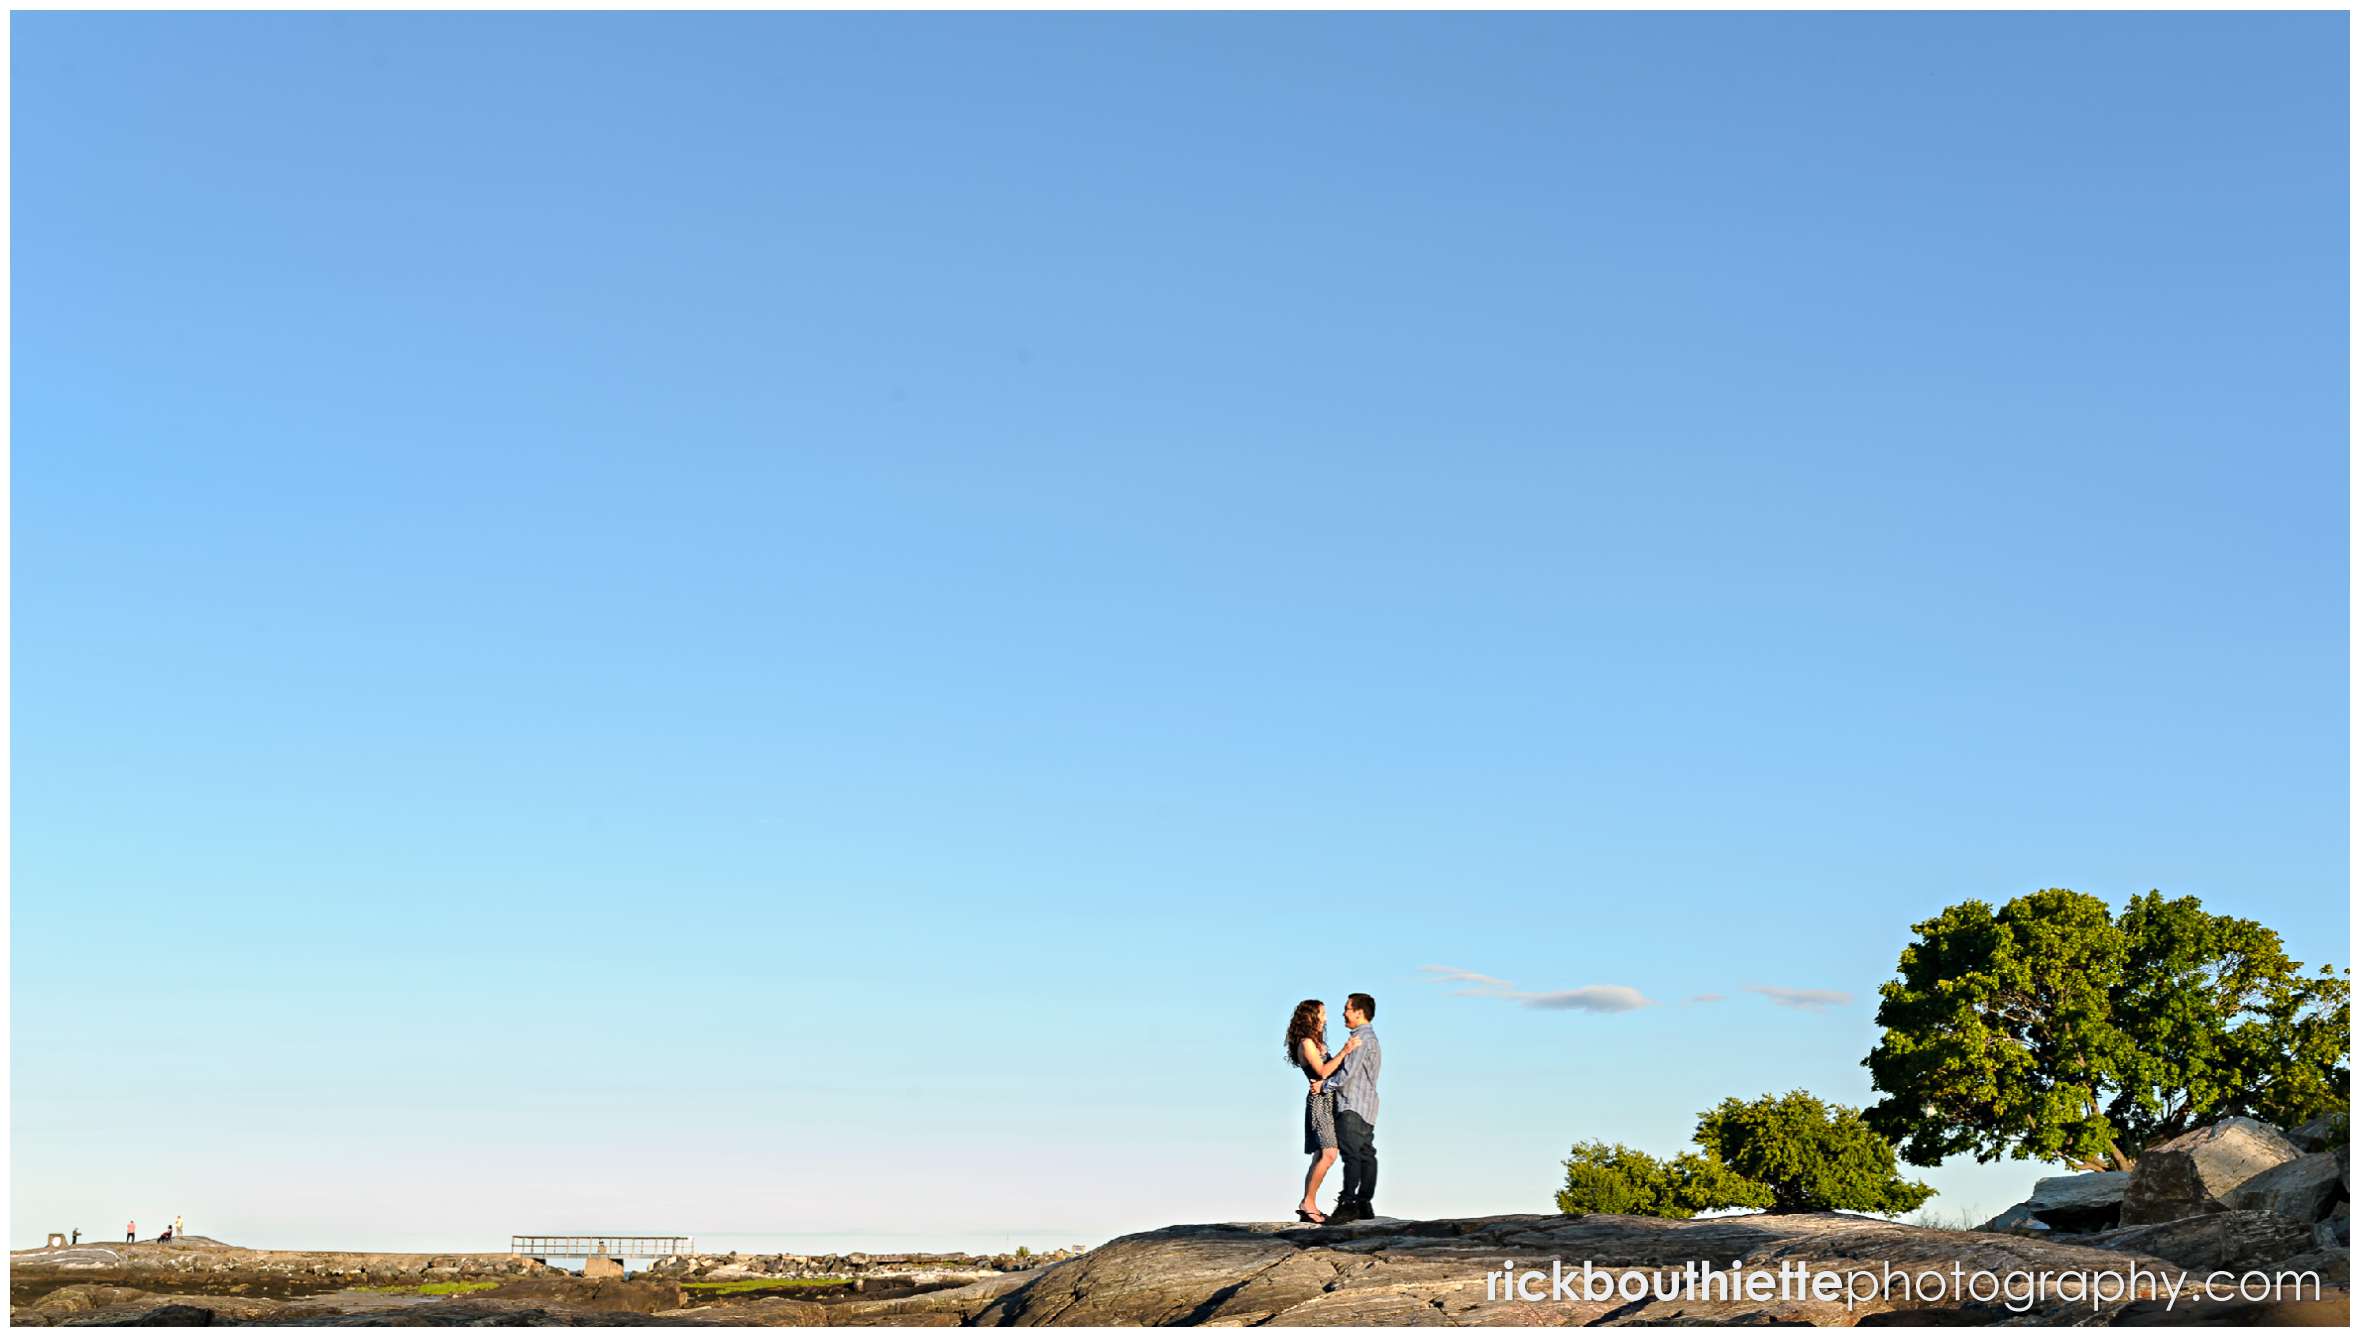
point(1344, 1065)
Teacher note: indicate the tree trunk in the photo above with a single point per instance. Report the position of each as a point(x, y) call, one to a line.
point(2114, 1159)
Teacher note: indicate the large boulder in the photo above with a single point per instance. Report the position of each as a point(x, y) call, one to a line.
point(2234, 1241)
point(2335, 1232)
point(2079, 1202)
point(2304, 1188)
point(2325, 1133)
point(2195, 1172)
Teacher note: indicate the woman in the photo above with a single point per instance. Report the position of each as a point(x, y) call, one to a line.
point(1307, 1050)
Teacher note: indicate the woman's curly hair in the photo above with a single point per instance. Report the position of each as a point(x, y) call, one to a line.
point(1304, 1025)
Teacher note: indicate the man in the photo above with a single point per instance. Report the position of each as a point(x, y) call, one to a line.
point(1354, 1084)
point(131, 1232)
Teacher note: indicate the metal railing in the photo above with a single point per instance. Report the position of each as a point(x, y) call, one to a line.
point(601, 1246)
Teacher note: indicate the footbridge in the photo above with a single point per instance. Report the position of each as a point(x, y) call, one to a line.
point(594, 1245)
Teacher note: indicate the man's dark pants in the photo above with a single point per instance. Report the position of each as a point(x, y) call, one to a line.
point(1356, 1145)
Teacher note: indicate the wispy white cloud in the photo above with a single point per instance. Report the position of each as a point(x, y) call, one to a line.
point(1807, 1000)
point(1611, 998)
point(1478, 985)
point(1589, 998)
point(1605, 998)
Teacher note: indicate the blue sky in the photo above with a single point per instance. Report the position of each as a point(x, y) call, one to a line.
point(769, 624)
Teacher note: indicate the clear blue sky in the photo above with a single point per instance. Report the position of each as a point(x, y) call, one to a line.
point(766, 623)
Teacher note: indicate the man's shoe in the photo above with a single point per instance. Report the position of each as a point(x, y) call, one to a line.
point(1346, 1210)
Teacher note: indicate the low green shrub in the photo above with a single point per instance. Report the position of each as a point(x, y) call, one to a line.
point(1790, 1153)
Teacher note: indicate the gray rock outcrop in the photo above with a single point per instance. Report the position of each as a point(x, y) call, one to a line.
point(2082, 1202)
point(1381, 1272)
point(2304, 1188)
point(2335, 1230)
point(2195, 1173)
point(2325, 1133)
point(1435, 1273)
point(2231, 1240)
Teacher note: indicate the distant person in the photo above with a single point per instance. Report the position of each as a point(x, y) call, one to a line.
point(131, 1232)
point(77, 1235)
point(166, 1237)
point(1306, 1048)
point(1354, 1086)
point(177, 1228)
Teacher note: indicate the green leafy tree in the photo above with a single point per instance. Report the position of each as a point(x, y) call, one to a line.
point(2049, 1029)
point(1702, 1183)
point(2217, 1020)
point(1808, 1156)
point(1613, 1178)
point(1800, 1155)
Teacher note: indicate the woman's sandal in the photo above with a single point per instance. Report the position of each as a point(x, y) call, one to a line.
point(1315, 1218)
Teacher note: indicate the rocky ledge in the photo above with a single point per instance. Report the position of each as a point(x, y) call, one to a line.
point(2236, 1194)
point(1442, 1273)
point(1382, 1272)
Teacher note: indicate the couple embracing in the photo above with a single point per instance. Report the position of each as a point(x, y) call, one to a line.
point(1340, 1113)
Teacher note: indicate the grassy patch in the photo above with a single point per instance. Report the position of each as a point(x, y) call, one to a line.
point(761, 1284)
point(433, 1288)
